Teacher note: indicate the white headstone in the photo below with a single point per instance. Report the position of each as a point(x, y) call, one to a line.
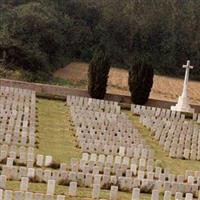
point(39, 160)
point(24, 184)
point(51, 187)
point(8, 195)
point(9, 162)
point(3, 182)
point(155, 195)
point(48, 160)
point(167, 195)
point(73, 189)
point(60, 197)
point(136, 194)
point(113, 192)
point(28, 196)
point(96, 191)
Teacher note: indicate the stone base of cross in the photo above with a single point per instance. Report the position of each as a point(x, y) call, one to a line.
point(183, 106)
point(183, 100)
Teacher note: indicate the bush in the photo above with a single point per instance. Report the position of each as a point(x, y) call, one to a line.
point(98, 74)
point(140, 82)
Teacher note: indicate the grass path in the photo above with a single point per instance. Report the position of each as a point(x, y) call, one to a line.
point(55, 131)
point(177, 166)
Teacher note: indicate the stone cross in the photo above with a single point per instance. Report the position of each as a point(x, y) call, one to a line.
point(183, 101)
point(187, 71)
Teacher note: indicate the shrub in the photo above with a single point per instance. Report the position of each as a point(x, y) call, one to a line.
point(54, 165)
point(140, 82)
point(98, 74)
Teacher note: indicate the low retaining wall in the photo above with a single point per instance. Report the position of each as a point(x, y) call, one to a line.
point(45, 89)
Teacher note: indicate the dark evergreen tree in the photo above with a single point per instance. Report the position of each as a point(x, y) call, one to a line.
point(98, 73)
point(140, 82)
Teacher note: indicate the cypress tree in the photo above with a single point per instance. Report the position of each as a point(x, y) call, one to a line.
point(98, 73)
point(140, 82)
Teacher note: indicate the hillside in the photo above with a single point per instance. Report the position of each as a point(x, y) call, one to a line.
point(164, 88)
point(41, 36)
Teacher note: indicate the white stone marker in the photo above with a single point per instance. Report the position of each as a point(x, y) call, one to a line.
point(167, 195)
point(155, 195)
point(9, 162)
point(48, 160)
point(18, 195)
point(183, 101)
point(73, 189)
point(28, 196)
point(113, 192)
point(136, 194)
point(60, 197)
point(24, 184)
point(51, 187)
point(39, 160)
point(38, 196)
point(188, 196)
point(8, 194)
point(1, 194)
point(31, 172)
point(3, 181)
point(96, 191)
point(178, 196)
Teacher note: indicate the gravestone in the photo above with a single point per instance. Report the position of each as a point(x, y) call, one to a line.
point(60, 197)
point(113, 192)
point(136, 194)
point(28, 196)
point(96, 191)
point(155, 195)
point(48, 160)
point(51, 187)
point(3, 180)
point(39, 160)
point(73, 189)
point(167, 195)
point(24, 184)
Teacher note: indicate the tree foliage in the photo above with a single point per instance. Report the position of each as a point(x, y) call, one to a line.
point(140, 82)
point(41, 35)
point(98, 74)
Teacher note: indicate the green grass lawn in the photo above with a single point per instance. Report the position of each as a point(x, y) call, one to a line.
point(55, 131)
point(177, 166)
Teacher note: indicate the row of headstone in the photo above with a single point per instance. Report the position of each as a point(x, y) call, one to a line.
point(167, 195)
point(133, 176)
point(179, 137)
point(157, 112)
point(20, 195)
point(17, 113)
point(181, 140)
point(94, 135)
point(29, 160)
point(102, 160)
point(93, 104)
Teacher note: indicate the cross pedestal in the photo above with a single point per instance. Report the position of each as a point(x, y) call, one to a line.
point(183, 100)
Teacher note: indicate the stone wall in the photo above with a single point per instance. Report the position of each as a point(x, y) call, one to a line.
point(45, 89)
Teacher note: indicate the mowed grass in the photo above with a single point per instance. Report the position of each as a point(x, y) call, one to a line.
point(176, 166)
point(55, 131)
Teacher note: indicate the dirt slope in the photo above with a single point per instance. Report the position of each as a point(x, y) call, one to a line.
point(164, 88)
